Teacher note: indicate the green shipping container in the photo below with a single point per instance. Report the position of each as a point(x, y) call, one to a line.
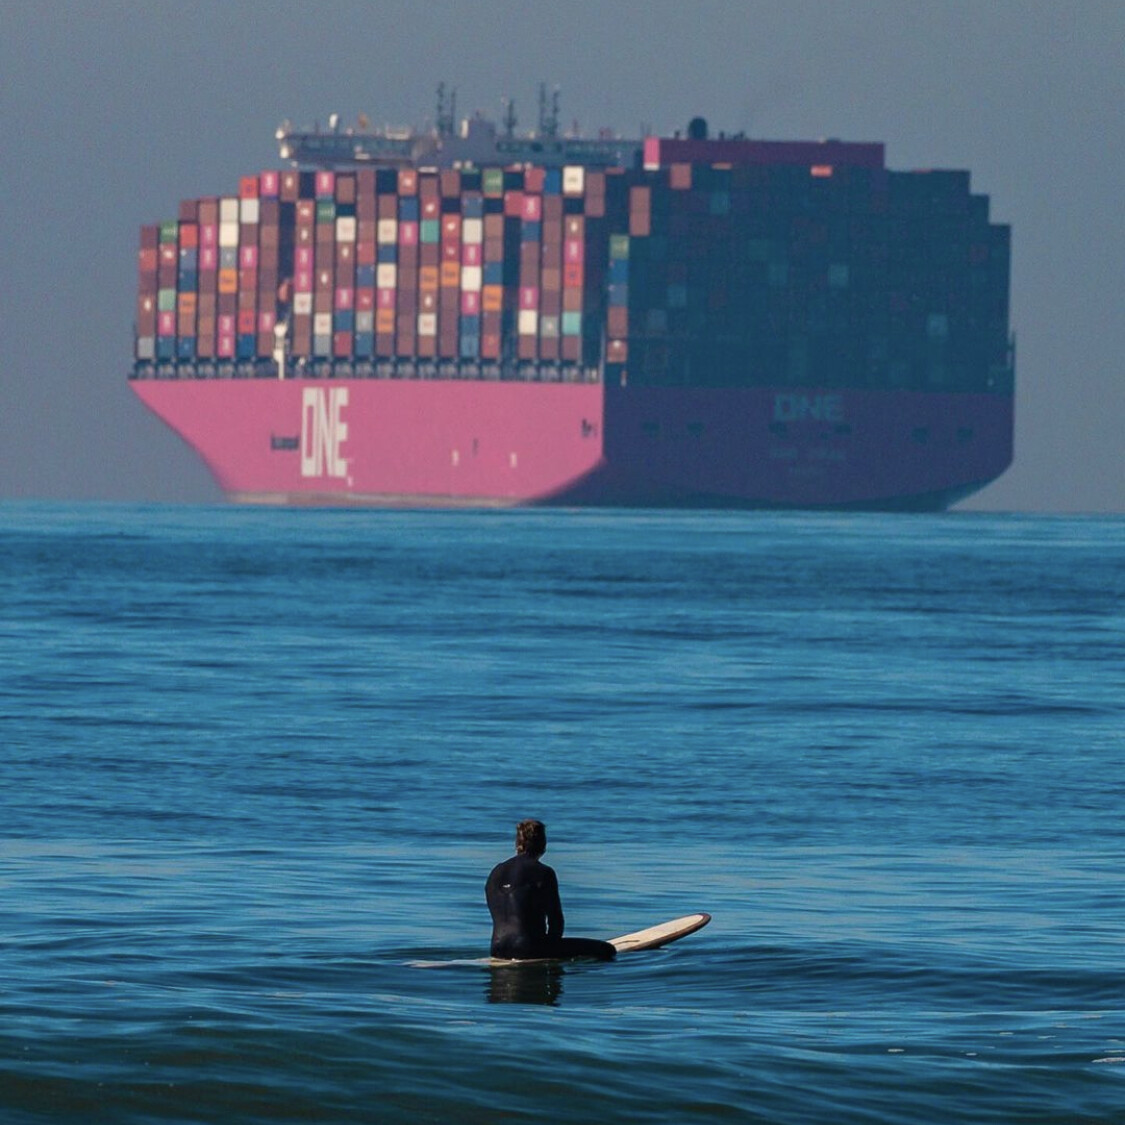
point(619, 247)
point(492, 181)
point(169, 231)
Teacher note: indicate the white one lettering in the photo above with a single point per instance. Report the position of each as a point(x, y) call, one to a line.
point(802, 408)
point(323, 431)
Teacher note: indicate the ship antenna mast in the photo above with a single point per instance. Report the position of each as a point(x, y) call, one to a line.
point(548, 113)
point(446, 110)
point(509, 117)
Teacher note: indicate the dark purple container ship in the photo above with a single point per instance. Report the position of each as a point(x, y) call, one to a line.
point(468, 316)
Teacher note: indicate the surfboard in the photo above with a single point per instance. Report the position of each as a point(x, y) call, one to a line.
point(653, 937)
point(656, 936)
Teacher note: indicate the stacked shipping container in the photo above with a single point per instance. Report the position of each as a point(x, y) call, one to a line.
point(489, 267)
point(772, 274)
point(773, 268)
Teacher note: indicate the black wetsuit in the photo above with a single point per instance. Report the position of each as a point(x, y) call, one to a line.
point(527, 917)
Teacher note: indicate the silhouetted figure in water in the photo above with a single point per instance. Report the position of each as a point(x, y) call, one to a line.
point(523, 898)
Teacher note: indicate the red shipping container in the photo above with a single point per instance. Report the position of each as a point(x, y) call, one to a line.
point(470, 303)
point(248, 187)
point(571, 348)
point(552, 209)
point(451, 228)
point(617, 351)
point(166, 324)
point(529, 297)
point(427, 347)
point(150, 237)
point(574, 250)
point(532, 208)
point(345, 298)
point(513, 205)
point(640, 224)
point(189, 210)
point(617, 321)
point(345, 188)
point(248, 257)
point(265, 343)
point(290, 187)
point(384, 344)
point(385, 298)
point(147, 261)
point(431, 204)
point(189, 236)
point(549, 347)
point(247, 279)
point(364, 299)
point(471, 254)
point(325, 185)
point(490, 345)
point(407, 233)
point(266, 321)
point(246, 322)
point(365, 181)
point(342, 345)
point(573, 275)
point(534, 179)
point(451, 183)
point(365, 253)
point(527, 347)
point(269, 184)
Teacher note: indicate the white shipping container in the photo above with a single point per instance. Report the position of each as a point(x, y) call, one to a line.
point(322, 324)
point(146, 347)
point(365, 321)
point(472, 231)
point(574, 179)
point(248, 211)
point(387, 231)
point(549, 327)
point(322, 345)
point(345, 229)
point(228, 236)
point(228, 210)
point(386, 275)
point(302, 304)
point(471, 278)
point(427, 324)
point(529, 322)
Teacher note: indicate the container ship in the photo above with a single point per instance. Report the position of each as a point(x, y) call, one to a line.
point(469, 316)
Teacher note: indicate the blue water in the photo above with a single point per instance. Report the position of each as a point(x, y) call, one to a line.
point(256, 765)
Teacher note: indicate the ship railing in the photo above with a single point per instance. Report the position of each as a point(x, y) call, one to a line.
point(438, 370)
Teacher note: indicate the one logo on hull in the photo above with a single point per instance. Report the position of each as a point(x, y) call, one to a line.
point(808, 408)
point(323, 432)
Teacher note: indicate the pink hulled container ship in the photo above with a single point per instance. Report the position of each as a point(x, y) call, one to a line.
point(471, 316)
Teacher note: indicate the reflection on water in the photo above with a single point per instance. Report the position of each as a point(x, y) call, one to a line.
point(537, 982)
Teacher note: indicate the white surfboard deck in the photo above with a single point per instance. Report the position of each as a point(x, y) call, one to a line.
point(651, 938)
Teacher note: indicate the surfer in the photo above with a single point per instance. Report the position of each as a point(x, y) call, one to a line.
point(523, 898)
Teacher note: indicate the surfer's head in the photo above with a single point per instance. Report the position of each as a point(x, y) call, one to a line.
point(531, 837)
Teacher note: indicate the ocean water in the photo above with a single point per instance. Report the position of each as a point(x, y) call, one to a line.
point(255, 767)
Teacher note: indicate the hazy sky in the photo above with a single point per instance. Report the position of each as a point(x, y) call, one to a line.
point(115, 110)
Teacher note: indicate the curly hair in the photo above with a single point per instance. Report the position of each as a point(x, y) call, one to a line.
point(531, 837)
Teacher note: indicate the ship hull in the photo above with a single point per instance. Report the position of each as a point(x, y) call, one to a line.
point(410, 443)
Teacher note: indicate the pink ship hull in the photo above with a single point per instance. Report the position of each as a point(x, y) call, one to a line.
point(472, 443)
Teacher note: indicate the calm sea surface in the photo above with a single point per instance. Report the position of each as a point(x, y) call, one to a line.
point(255, 766)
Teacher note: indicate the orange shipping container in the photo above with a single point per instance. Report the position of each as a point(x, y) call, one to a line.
point(228, 281)
point(492, 298)
point(450, 275)
point(428, 277)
